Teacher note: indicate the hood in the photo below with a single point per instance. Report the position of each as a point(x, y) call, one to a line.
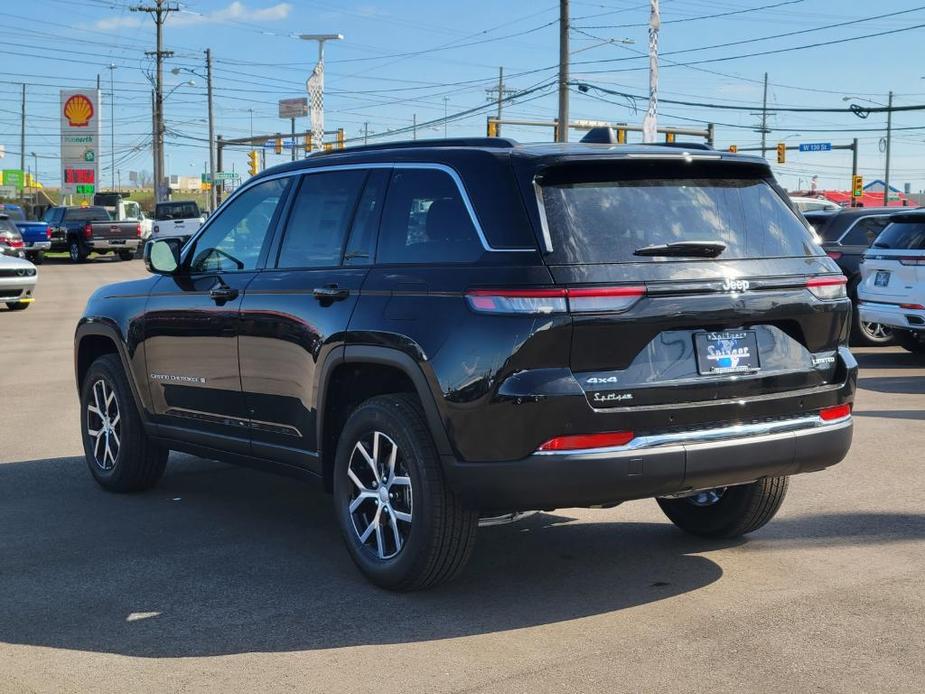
point(8, 262)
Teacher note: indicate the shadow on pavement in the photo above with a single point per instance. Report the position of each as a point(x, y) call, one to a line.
point(892, 414)
point(888, 359)
point(909, 385)
point(221, 560)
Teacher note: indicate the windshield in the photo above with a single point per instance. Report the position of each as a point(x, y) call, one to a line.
point(607, 221)
point(176, 210)
point(908, 236)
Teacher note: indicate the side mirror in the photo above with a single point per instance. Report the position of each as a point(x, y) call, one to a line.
point(162, 257)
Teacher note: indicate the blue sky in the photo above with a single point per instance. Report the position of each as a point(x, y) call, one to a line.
point(405, 59)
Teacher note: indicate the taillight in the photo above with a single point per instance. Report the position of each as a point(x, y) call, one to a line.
point(138, 231)
point(48, 232)
point(577, 442)
point(913, 260)
point(575, 299)
point(830, 414)
point(828, 288)
point(913, 307)
point(17, 243)
point(88, 231)
point(834, 255)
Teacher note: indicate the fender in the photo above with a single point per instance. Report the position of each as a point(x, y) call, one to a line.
point(386, 356)
point(105, 327)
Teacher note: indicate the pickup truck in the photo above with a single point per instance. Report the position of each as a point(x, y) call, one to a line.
point(86, 230)
point(121, 209)
point(176, 218)
point(36, 236)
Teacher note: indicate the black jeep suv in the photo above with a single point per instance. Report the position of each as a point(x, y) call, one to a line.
point(448, 330)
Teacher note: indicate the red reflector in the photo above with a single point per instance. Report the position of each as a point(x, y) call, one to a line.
point(834, 255)
point(838, 412)
point(606, 291)
point(583, 441)
point(913, 307)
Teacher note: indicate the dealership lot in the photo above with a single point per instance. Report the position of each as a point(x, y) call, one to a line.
point(226, 579)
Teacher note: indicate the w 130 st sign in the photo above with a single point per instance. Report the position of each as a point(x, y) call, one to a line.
point(80, 137)
point(815, 146)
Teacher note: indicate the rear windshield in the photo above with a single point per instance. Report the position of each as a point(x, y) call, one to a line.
point(606, 221)
point(176, 210)
point(820, 222)
point(86, 214)
point(907, 236)
point(14, 213)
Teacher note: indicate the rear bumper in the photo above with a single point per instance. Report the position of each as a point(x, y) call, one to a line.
point(114, 244)
point(892, 314)
point(37, 246)
point(653, 466)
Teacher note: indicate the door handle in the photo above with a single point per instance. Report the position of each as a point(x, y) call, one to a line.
point(331, 292)
point(220, 294)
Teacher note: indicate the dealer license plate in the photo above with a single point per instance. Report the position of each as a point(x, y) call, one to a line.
point(728, 351)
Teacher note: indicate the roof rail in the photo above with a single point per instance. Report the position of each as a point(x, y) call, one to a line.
point(487, 142)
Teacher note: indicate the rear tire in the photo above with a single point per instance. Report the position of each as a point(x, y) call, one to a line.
point(870, 334)
point(912, 341)
point(119, 453)
point(76, 251)
point(426, 533)
point(126, 255)
point(36, 258)
point(733, 512)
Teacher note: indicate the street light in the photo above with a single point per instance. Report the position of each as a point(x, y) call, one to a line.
point(314, 85)
point(213, 192)
point(889, 135)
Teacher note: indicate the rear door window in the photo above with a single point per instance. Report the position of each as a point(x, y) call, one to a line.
point(906, 236)
point(86, 214)
point(605, 221)
point(176, 210)
point(864, 231)
point(426, 221)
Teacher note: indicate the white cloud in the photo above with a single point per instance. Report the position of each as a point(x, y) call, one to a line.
point(115, 23)
point(236, 12)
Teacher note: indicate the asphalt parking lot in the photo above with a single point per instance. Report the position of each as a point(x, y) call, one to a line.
point(227, 579)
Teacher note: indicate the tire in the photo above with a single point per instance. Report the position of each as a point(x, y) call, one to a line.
point(137, 463)
point(37, 258)
point(736, 510)
point(127, 255)
point(911, 341)
point(77, 252)
point(18, 305)
point(438, 533)
point(870, 334)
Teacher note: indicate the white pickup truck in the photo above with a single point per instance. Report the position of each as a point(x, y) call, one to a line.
point(176, 218)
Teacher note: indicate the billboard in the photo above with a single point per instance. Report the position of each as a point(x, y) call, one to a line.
point(293, 108)
point(80, 137)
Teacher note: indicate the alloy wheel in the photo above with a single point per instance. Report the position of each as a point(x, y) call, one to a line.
point(104, 425)
point(876, 332)
point(380, 504)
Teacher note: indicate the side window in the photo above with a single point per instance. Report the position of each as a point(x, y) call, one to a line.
point(52, 215)
point(320, 217)
point(865, 231)
point(234, 239)
point(425, 221)
point(361, 247)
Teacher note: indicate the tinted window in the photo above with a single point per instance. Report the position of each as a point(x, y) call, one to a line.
point(86, 214)
point(426, 221)
point(176, 210)
point(235, 237)
point(362, 244)
point(906, 236)
point(865, 231)
point(606, 221)
point(320, 217)
point(8, 225)
point(824, 225)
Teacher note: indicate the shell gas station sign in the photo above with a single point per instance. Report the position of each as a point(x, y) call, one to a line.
point(80, 137)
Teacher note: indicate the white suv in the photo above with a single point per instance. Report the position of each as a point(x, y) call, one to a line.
point(892, 287)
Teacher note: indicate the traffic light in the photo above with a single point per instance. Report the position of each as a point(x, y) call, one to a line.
point(669, 137)
point(857, 186)
point(492, 128)
point(781, 153)
point(340, 138)
point(308, 143)
point(253, 157)
point(621, 136)
point(733, 148)
point(278, 147)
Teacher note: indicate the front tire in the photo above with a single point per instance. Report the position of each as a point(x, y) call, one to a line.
point(727, 512)
point(18, 305)
point(119, 453)
point(404, 528)
point(76, 251)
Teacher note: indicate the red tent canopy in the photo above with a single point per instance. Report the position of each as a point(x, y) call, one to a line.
point(843, 198)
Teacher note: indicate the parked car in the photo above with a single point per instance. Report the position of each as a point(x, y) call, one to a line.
point(804, 204)
point(11, 243)
point(86, 230)
point(179, 218)
point(892, 288)
point(17, 282)
point(845, 235)
point(36, 236)
point(438, 331)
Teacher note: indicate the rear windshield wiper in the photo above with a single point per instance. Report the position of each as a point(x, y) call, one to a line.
point(684, 249)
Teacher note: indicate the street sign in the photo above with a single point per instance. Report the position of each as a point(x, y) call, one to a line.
point(205, 178)
point(293, 108)
point(815, 146)
point(226, 175)
point(8, 192)
point(13, 178)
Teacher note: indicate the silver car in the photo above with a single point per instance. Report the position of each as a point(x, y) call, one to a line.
point(17, 282)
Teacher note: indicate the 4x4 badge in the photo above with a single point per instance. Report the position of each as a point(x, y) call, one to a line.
point(731, 285)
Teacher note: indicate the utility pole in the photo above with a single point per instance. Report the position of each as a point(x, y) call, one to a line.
point(292, 141)
point(366, 133)
point(889, 137)
point(562, 122)
point(650, 121)
point(159, 11)
point(414, 126)
point(213, 199)
point(764, 117)
point(22, 141)
point(112, 125)
point(854, 167)
point(445, 100)
point(154, 149)
point(502, 93)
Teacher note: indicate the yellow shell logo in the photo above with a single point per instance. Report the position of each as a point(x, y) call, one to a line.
point(78, 110)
